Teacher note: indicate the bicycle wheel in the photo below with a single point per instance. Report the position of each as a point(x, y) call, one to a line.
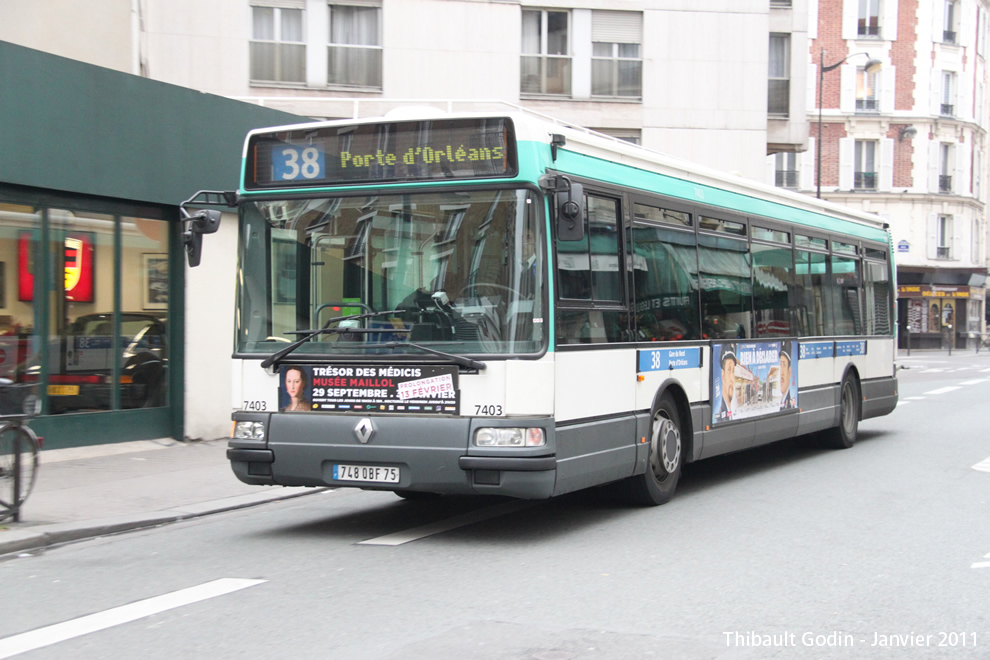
point(18, 466)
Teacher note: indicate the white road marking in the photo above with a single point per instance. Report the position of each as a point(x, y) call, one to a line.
point(914, 398)
point(942, 390)
point(974, 382)
point(983, 466)
point(84, 625)
point(416, 533)
point(931, 371)
point(981, 564)
point(983, 371)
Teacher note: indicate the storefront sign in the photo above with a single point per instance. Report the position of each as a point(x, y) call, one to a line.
point(369, 388)
point(937, 291)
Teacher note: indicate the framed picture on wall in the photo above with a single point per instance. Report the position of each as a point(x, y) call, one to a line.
point(154, 291)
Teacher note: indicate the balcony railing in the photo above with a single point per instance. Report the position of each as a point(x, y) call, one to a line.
point(943, 252)
point(866, 105)
point(865, 181)
point(787, 179)
point(949, 36)
point(944, 183)
point(868, 30)
point(946, 109)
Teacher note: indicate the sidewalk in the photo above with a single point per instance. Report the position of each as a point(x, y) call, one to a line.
point(83, 492)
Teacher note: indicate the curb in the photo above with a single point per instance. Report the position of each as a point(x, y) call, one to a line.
point(46, 536)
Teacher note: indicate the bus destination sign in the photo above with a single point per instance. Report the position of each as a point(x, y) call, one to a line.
point(381, 152)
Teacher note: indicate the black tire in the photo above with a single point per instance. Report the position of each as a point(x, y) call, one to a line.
point(18, 460)
point(844, 435)
point(657, 484)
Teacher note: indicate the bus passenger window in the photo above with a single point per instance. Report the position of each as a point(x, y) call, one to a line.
point(846, 305)
point(589, 269)
point(725, 278)
point(665, 268)
point(773, 290)
point(578, 326)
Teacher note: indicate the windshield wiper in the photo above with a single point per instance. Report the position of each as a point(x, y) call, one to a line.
point(459, 360)
point(275, 358)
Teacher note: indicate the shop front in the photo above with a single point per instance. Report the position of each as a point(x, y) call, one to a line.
point(92, 273)
point(940, 316)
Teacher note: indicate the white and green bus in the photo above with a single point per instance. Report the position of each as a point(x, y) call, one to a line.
point(508, 305)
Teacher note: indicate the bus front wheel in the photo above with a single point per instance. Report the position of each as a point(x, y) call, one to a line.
point(657, 484)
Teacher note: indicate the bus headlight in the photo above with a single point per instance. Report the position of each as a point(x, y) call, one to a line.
point(509, 437)
point(250, 430)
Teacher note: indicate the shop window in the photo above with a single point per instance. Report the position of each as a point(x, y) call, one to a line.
point(19, 259)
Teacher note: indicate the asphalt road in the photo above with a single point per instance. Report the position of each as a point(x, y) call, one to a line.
point(788, 551)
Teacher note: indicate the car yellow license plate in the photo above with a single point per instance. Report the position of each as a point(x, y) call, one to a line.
point(63, 390)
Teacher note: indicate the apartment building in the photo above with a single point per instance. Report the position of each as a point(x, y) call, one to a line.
point(897, 93)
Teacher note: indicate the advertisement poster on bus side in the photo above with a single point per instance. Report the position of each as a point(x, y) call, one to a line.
point(407, 389)
point(753, 379)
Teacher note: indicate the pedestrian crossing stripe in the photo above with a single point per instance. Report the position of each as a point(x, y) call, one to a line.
point(983, 466)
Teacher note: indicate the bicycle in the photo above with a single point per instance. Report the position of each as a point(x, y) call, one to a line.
point(19, 446)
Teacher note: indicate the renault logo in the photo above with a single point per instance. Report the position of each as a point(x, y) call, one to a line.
point(364, 430)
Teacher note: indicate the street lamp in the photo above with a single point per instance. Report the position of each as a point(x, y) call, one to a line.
point(872, 66)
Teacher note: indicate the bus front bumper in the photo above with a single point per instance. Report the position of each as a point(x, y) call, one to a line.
point(430, 454)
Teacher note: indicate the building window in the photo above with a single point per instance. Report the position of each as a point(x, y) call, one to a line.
point(869, 18)
point(616, 53)
point(355, 51)
point(865, 166)
point(943, 237)
point(866, 91)
point(945, 168)
point(630, 135)
point(278, 49)
point(949, 27)
point(785, 170)
point(948, 92)
point(779, 87)
point(545, 63)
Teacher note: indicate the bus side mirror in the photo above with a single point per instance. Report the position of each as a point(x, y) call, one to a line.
point(570, 212)
point(202, 222)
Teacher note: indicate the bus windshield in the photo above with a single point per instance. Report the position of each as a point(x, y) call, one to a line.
point(458, 271)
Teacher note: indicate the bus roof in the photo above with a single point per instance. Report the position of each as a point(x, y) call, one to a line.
point(538, 128)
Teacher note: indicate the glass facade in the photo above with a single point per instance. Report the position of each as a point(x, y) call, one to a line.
point(84, 304)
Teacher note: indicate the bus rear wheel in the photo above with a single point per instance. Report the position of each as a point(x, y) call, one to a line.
point(844, 435)
point(657, 484)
